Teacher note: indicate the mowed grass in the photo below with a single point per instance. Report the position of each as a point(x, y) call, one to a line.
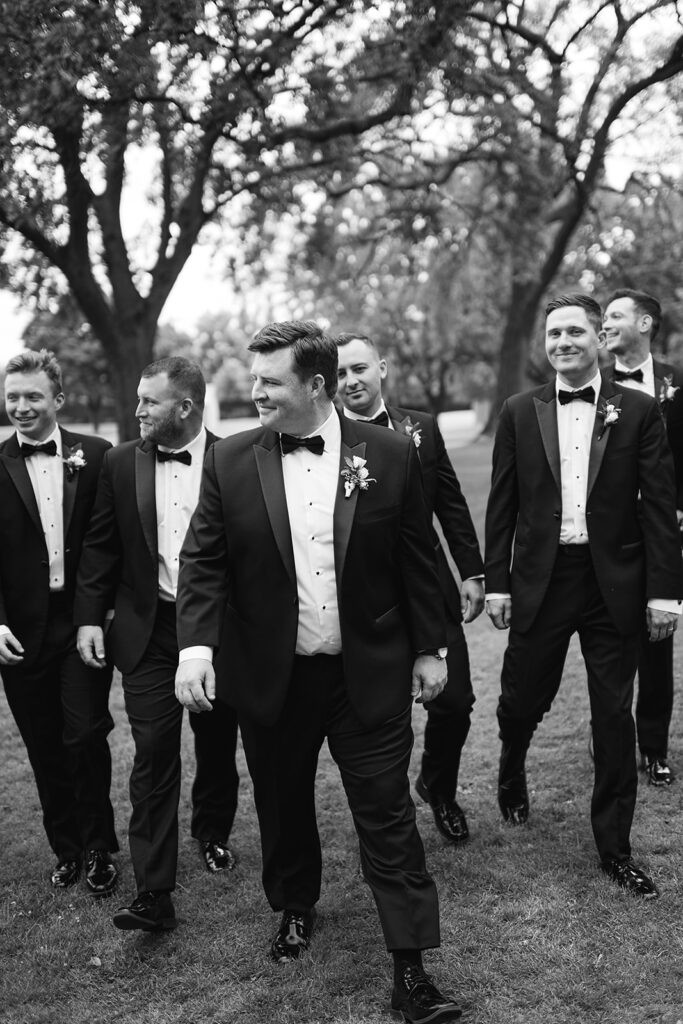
point(532, 933)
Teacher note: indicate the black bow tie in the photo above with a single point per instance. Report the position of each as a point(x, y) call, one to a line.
point(314, 444)
point(381, 419)
point(47, 448)
point(183, 457)
point(628, 374)
point(585, 394)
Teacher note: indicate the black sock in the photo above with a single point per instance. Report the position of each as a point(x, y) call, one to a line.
point(406, 956)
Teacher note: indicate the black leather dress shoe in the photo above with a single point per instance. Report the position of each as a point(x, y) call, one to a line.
point(513, 798)
point(629, 876)
point(149, 912)
point(100, 873)
point(417, 1000)
point(65, 874)
point(217, 856)
point(448, 815)
point(293, 936)
point(658, 772)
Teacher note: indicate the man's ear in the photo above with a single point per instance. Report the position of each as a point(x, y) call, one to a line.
point(317, 384)
point(60, 400)
point(186, 407)
point(383, 369)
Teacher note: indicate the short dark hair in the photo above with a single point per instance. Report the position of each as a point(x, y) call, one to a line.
point(347, 338)
point(647, 305)
point(313, 351)
point(185, 376)
point(29, 361)
point(587, 303)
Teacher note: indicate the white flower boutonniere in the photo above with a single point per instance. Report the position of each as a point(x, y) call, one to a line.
point(414, 431)
point(609, 414)
point(75, 461)
point(356, 475)
point(667, 392)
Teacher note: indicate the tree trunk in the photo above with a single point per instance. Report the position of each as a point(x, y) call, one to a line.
point(135, 343)
point(514, 351)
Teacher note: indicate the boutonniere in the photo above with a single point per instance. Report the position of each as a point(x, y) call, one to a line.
point(414, 431)
point(356, 475)
point(609, 414)
point(75, 461)
point(667, 392)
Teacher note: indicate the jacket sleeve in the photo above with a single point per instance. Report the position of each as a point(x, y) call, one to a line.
point(453, 514)
point(502, 507)
point(100, 561)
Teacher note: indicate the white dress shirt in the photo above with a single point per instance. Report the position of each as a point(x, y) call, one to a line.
point(47, 479)
point(177, 494)
point(647, 385)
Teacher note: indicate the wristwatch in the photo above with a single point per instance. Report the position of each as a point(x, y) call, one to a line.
point(437, 652)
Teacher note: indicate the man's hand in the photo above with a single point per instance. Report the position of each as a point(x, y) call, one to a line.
point(195, 684)
point(11, 651)
point(660, 625)
point(430, 675)
point(500, 611)
point(471, 599)
point(90, 644)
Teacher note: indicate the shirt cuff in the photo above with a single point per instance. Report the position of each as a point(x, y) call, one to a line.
point(663, 604)
point(4, 630)
point(468, 578)
point(188, 653)
point(498, 597)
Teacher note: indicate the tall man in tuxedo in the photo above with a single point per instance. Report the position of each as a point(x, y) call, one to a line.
point(631, 323)
point(48, 478)
point(147, 492)
point(583, 481)
point(361, 372)
point(311, 539)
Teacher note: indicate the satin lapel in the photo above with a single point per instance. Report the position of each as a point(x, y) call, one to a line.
point(546, 413)
point(345, 508)
point(69, 443)
point(601, 434)
point(16, 467)
point(145, 493)
point(269, 466)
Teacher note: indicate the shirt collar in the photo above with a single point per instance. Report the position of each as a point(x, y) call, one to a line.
point(330, 431)
point(366, 419)
point(195, 447)
point(595, 383)
point(55, 436)
point(646, 366)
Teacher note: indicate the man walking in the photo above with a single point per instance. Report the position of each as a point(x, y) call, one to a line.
point(361, 372)
point(48, 479)
point(147, 492)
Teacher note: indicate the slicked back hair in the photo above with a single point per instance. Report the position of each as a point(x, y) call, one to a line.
point(29, 361)
point(347, 338)
point(184, 376)
point(313, 351)
point(646, 305)
point(587, 303)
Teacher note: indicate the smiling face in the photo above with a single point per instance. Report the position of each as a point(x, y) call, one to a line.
point(361, 372)
point(626, 329)
point(31, 403)
point(284, 401)
point(161, 412)
point(572, 345)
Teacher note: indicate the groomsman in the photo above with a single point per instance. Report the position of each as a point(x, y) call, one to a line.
point(631, 323)
point(310, 559)
point(48, 478)
point(147, 492)
point(361, 372)
point(582, 503)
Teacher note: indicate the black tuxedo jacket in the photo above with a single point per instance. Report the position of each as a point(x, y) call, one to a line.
point(119, 565)
point(24, 566)
point(237, 574)
point(673, 417)
point(445, 500)
point(634, 545)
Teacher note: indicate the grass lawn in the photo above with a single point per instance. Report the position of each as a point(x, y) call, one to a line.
point(532, 933)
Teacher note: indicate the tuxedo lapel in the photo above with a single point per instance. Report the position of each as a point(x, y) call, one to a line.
point(16, 467)
point(601, 433)
point(345, 508)
point(545, 405)
point(145, 493)
point(71, 480)
point(269, 466)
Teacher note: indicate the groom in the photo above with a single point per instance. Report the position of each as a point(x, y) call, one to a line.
point(311, 539)
point(583, 485)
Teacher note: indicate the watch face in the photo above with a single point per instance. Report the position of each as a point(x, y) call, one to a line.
point(443, 651)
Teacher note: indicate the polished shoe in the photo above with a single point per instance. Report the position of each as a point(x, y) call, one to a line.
point(217, 856)
point(65, 874)
point(417, 1000)
point(293, 936)
point(448, 815)
point(513, 798)
point(658, 772)
point(629, 876)
point(100, 873)
point(149, 912)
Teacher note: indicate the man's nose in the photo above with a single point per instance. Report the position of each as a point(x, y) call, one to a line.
point(138, 411)
point(256, 391)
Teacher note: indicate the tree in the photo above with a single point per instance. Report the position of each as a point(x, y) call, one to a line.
point(233, 103)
